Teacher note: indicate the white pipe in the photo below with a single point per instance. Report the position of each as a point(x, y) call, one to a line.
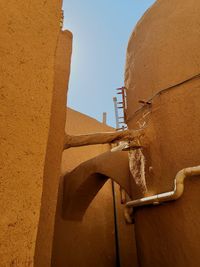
point(122, 145)
point(168, 196)
point(126, 146)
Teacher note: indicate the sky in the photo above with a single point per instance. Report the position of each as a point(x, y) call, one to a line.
point(101, 30)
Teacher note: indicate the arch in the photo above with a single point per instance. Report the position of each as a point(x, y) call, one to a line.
point(83, 183)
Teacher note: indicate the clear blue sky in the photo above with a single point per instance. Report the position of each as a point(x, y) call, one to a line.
point(101, 30)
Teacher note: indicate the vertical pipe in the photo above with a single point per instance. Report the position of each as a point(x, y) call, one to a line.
point(116, 112)
point(104, 120)
point(117, 247)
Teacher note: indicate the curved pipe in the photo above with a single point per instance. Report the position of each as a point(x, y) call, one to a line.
point(168, 196)
point(83, 183)
point(172, 195)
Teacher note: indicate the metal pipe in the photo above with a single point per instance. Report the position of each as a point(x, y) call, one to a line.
point(168, 196)
point(116, 112)
point(104, 120)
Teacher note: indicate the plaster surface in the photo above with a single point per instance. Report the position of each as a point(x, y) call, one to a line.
point(52, 170)
point(28, 39)
point(85, 181)
point(164, 51)
point(90, 242)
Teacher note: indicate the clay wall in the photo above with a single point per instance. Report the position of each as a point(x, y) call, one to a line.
point(164, 51)
point(28, 40)
point(90, 242)
point(52, 169)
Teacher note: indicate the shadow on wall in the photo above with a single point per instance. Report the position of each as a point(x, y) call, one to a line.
point(84, 182)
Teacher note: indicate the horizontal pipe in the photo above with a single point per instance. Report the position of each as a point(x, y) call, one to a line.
point(168, 196)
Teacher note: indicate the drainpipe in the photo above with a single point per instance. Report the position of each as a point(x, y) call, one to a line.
point(163, 197)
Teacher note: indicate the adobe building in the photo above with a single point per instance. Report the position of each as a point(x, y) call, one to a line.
point(35, 64)
point(62, 172)
point(162, 70)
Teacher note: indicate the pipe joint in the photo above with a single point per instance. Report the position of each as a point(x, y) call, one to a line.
point(164, 197)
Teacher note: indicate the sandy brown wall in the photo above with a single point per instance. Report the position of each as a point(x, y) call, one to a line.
point(163, 51)
point(90, 242)
point(28, 39)
point(52, 168)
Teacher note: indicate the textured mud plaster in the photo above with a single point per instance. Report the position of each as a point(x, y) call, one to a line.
point(90, 242)
point(163, 51)
point(137, 168)
point(28, 39)
point(87, 179)
point(52, 170)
